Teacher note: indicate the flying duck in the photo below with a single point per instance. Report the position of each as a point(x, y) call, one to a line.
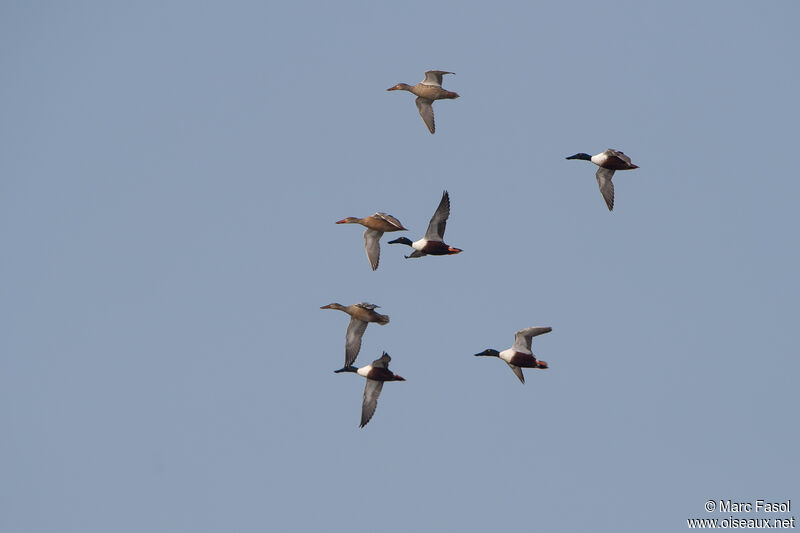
point(427, 91)
point(376, 374)
point(360, 315)
point(520, 356)
point(376, 225)
point(432, 243)
point(608, 161)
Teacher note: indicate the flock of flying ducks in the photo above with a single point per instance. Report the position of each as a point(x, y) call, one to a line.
point(517, 357)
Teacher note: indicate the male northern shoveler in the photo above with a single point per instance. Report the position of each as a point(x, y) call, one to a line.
point(609, 162)
point(433, 242)
point(427, 91)
point(519, 356)
point(376, 225)
point(376, 374)
point(360, 315)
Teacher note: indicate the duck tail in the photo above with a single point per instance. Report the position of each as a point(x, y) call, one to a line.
point(383, 319)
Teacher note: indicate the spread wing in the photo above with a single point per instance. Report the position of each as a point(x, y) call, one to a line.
point(434, 77)
point(352, 342)
point(604, 176)
point(390, 219)
point(522, 338)
point(439, 219)
point(518, 371)
point(371, 392)
point(373, 247)
point(620, 155)
point(425, 108)
point(382, 361)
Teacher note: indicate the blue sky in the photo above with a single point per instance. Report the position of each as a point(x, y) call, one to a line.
point(170, 175)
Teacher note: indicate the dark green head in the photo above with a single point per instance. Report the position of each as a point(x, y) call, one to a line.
point(489, 351)
point(401, 240)
point(585, 157)
point(350, 368)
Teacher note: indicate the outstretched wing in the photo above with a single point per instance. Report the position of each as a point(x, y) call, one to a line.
point(604, 176)
point(373, 247)
point(352, 340)
point(382, 361)
point(522, 338)
point(371, 392)
point(434, 77)
point(425, 107)
point(386, 217)
point(439, 219)
point(518, 371)
point(620, 155)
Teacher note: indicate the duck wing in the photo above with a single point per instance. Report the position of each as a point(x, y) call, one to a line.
point(439, 219)
point(604, 176)
point(373, 247)
point(382, 361)
point(434, 77)
point(522, 339)
point(352, 340)
point(390, 219)
point(425, 108)
point(619, 155)
point(518, 372)
point(371, 392)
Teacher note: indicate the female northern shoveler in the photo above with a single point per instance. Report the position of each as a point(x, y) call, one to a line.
point(432, 243)
point(608, 161)
point(376, 225)
point(376, 374)
point(427, 91)
point(520, 356)
point(360, 315)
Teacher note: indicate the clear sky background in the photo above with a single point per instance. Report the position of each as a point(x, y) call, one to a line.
point(170, 175)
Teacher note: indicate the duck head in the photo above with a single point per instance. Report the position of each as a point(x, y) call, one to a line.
point(349, 220)
point(585, 157)
point(402, 240)
point(350, 368)
point(489, 352)
point(400, 87)
point(332, 306)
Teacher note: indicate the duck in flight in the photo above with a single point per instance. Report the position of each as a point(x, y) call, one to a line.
point(433, 241)
point(376, 373)
point(519, 356)
point(609, 162)
point(427, 91)
point(376, 225)
point(361, 315)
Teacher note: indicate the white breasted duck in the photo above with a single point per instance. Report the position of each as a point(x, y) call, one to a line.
point(433, 241)
point(519, 356)
point(427, 91)
point(609, 162)
point(376, 225)
point(361, 314)
point(376, 374)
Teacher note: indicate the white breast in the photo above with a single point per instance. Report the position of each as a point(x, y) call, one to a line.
point(599, 159)
point(419, 245)
point(506, 355)
point(364, 370)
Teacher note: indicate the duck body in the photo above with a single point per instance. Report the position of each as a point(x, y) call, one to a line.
point(609, 161)
point(433, 241)
point(376, 374)
point(376, 225)
point(427, 91)
point(519, 356)
point(361, 314)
